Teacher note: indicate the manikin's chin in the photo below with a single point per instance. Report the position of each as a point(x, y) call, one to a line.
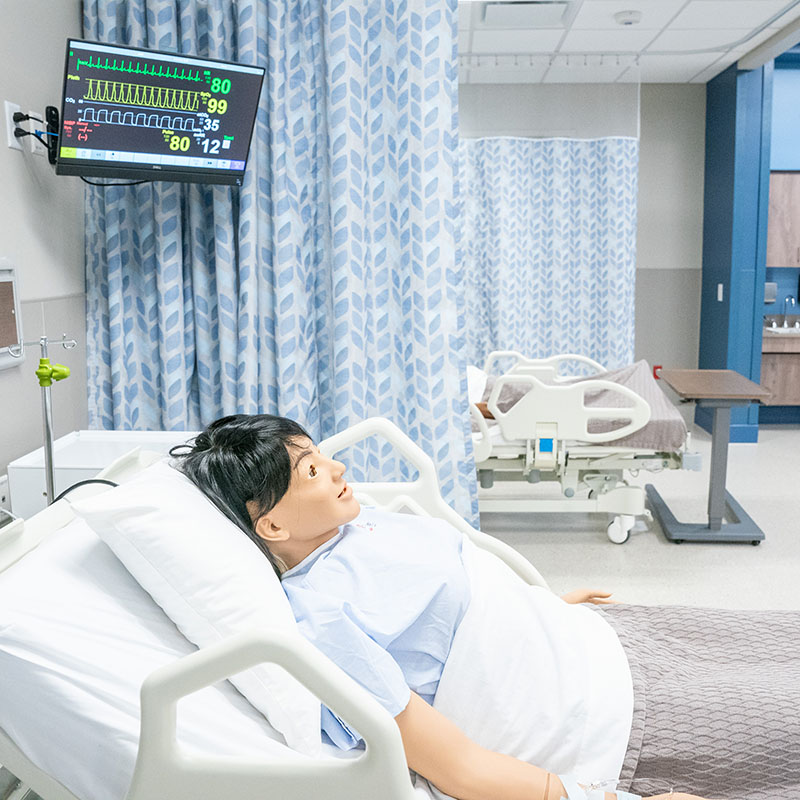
point(353, 510)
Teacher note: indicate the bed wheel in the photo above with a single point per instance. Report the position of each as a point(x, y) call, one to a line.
point(756, 542)
point(619, 529)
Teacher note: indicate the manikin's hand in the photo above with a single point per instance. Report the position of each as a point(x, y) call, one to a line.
point(588, 596)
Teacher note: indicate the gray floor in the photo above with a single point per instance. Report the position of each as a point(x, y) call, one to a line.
point(572, 550)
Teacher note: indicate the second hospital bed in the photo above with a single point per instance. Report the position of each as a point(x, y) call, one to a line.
point(566, 420)
point(78, 635)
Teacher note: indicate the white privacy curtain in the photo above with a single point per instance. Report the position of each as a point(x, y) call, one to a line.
point(549, 245)
point(327, 289)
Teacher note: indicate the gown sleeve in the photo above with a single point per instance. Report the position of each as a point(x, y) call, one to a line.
point(334, 627)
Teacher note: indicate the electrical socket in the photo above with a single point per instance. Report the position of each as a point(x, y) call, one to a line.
point(11, 109)
point(37, 148)
point(5, 495)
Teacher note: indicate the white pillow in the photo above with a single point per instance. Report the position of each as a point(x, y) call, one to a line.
point(78, 636)
point(209, 578)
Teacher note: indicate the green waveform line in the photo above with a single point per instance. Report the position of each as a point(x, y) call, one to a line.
point(184, 75)
point(135, 94)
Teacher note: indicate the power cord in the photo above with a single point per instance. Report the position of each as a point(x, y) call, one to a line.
point(20, 132)
point(84, 483)
point(20, 117)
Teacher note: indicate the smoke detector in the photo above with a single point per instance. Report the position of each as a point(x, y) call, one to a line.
point(628, 18)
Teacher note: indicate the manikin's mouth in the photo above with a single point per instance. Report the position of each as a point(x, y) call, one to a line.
point(344, 491)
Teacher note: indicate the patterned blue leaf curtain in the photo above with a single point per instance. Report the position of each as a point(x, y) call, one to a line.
point(327, 289)
point(550, 246)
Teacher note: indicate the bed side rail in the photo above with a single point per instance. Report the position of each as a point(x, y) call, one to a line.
point(565, 406)
point(164, 770)
point(546, 369)
point(422, 496)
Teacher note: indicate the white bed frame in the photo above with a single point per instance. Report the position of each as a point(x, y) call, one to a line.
point(162, 771)
point(554, 409)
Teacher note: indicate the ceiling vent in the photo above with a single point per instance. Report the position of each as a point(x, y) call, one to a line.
point(526, 14)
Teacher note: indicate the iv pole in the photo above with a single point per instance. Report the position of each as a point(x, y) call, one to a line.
point(47, 373)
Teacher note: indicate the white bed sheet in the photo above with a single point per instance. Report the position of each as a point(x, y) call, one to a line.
point(77, 637)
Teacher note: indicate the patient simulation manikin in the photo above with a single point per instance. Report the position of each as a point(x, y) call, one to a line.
point(700, 700)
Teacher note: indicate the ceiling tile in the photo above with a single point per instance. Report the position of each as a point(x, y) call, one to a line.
point(599, 14)
point(577, 72)
point(754, 41)
point(519, 41)
point(717, 14)
point(718, 66)
point(674, 69)
point(697, 40)
point(787, 18)
point(484, 75)
point(622, 40)
point(465, 14)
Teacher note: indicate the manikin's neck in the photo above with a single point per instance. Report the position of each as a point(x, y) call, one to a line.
point(292, 551)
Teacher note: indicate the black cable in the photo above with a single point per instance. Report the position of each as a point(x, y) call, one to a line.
point(20, 117)
point(95, 183)
point(83, 483)
point(20, 132)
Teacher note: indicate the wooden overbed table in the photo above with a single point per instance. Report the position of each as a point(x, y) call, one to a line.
point(719, 389)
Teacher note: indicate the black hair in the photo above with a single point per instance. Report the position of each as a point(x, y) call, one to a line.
point(240, 459)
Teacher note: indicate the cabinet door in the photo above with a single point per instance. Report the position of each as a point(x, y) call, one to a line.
point(780, 373)
point(783, 226)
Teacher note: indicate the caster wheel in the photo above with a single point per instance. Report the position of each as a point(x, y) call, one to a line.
point(678, 541)
point(756, 542)
point(618, 530)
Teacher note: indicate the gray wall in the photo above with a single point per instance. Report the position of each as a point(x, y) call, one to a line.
point(41, 227)
point(670, 218)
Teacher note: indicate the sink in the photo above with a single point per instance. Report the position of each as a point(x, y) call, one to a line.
point(781, 331)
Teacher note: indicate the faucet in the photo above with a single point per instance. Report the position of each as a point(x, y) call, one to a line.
point(788, 303)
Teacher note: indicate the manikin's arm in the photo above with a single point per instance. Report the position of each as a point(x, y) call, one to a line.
point(439, 751)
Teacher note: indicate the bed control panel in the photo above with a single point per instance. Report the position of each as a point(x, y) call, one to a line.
point(544, 456)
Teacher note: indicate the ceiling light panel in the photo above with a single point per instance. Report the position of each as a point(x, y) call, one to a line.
point(525, 14)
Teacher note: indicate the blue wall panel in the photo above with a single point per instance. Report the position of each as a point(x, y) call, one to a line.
point(738, 117)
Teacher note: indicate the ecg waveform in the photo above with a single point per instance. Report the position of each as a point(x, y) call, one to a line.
point(182, 76)
point(137, 120)
point(134, 94)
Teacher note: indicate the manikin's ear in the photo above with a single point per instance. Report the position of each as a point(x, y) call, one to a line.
point(270, 532)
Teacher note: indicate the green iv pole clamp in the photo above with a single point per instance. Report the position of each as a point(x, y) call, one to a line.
point(47, 373)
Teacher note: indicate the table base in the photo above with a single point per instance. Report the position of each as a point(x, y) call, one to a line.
point(739, 527)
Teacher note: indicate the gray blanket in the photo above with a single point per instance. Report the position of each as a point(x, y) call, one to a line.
point(717, 701)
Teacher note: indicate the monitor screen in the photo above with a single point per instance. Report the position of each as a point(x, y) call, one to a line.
point(142, 114)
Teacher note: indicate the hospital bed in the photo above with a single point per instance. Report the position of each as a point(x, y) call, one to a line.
point(163, 768)
point(565, 420)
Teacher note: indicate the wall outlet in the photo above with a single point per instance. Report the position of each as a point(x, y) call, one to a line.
point(5, 495)
point(11, 109)
point(37, 148)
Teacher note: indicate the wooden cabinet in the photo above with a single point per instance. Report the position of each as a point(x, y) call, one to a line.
point(783, 224)
point(780, 369)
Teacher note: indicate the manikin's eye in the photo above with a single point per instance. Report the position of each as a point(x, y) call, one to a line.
point(312, 471)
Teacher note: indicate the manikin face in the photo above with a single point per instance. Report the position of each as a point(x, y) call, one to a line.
point(309, 514)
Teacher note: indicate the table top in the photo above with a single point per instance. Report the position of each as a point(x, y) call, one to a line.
point(712, 384)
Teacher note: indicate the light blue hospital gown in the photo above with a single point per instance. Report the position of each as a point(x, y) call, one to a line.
point(382, 599)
